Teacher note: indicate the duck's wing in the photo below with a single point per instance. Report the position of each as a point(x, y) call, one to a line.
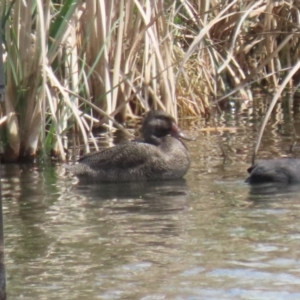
point(127, 155)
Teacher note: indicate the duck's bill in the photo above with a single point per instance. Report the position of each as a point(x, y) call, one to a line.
point(176, 132)
point(185, 136)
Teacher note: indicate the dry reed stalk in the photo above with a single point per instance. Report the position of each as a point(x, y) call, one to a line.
point(246, 42)
point(272, 105)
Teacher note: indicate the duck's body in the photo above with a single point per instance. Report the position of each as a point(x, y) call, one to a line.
point(282, 170)
point(159, 156)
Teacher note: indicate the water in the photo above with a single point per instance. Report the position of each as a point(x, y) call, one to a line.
point(207, 237)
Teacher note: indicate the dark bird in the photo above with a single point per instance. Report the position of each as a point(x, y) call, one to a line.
point(160, 155)
point(282, 170)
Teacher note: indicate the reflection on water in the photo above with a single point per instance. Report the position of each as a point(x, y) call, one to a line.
point(209, 236)
point(270, 190)
point(2, 267)
point(152, 190)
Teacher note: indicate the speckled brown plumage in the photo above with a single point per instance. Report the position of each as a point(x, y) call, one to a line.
point(161, 155)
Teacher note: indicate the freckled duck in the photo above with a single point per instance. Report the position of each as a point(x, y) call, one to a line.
point(282, 170)
point(161, 155)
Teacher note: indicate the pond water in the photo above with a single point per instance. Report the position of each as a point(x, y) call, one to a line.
point(207, 237)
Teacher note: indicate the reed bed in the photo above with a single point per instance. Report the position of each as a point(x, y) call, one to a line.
point(74, 65)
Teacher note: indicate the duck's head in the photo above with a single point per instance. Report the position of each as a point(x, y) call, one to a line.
point(158, 124)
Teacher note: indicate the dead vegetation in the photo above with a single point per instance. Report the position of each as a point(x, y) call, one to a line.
point(73, 64)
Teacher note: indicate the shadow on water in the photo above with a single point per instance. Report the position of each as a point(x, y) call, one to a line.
point(148, 197)
point(134, 189)
point(273, 191)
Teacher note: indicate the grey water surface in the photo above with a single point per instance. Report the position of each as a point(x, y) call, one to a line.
point(209, 236)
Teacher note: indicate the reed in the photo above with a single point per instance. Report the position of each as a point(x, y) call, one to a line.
point(71, 65)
